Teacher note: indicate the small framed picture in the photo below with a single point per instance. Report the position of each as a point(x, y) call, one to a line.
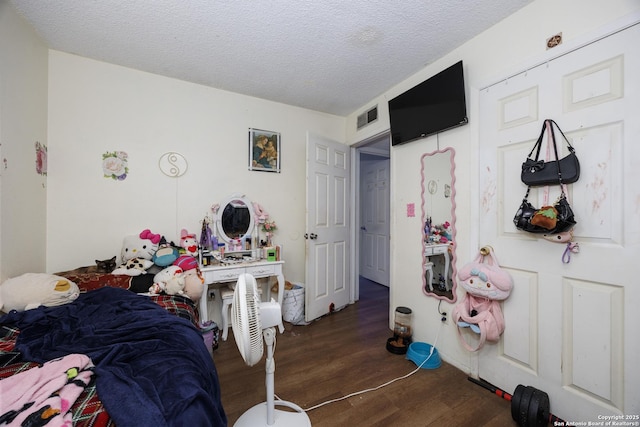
point(264, 150)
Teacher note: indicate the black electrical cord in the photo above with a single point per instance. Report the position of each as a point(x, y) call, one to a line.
point(442, 313)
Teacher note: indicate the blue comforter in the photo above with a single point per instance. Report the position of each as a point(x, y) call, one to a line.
point(152, 368)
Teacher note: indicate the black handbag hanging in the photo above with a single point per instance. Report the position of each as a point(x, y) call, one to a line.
point(546, 220)
point(555, 218)
point(537, 172)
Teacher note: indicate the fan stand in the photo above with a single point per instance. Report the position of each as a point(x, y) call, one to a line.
point(255, 416)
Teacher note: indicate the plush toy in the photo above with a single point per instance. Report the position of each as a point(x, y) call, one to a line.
point(32, 290)
point(133, 267)
point(144, 245)
point(545, 217)
point(485, 280)
point(193, 278)
point(441, 233)
point(189, 243)
point(166, 254)
point(260, 212)
point(486, 284)
point(170, 281)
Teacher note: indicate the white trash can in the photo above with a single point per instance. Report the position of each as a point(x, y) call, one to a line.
point(293, 305)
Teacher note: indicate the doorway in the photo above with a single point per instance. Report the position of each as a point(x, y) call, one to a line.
point(372, 199)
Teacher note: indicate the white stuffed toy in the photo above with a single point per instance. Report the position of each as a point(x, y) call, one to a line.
point(133, 267)
point(139, 249)
point(32, 290)
point(144, 245)
point(170, 281)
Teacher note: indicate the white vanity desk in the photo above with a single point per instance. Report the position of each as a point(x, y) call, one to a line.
point(237, 217)
point(225, 273)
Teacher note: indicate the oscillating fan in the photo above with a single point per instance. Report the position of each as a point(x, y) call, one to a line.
point(251, 318)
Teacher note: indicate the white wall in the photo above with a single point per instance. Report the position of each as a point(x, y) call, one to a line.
point(95, 107)
point(23, 121)
point(505, 48)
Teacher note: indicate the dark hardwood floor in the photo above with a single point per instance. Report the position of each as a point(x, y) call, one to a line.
point(344, 353)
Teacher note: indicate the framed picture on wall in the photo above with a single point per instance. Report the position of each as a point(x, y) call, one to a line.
point(264, 150)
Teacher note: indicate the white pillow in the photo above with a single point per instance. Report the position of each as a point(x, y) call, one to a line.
point(32, 290)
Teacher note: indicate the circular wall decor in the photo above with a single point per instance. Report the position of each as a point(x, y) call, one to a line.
point(432, 186)
point(173, 164)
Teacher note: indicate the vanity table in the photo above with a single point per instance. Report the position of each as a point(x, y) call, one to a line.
point(223, 274)
point(236, 219)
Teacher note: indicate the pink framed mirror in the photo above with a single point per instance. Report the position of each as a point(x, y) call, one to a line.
point(439, 224)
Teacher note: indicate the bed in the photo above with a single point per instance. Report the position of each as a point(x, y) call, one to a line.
point(147, 361)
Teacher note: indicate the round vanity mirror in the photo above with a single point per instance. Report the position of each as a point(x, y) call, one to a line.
point(235, 218)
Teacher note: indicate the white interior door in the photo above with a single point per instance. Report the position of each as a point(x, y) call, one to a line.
point(374, 219)
point(571, 328)
point(327, 248)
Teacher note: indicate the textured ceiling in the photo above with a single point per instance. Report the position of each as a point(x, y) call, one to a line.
point(326, 55)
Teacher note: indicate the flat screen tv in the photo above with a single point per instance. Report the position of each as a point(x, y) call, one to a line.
point(435, 105)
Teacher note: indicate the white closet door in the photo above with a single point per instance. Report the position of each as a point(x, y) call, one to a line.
point(571, 328)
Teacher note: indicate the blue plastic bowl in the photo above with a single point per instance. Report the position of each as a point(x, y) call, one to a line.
point(418, 352)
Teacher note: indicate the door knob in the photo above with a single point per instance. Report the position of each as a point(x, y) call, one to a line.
point(313, 236)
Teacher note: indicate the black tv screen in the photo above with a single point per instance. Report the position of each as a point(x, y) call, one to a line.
point(435, 105)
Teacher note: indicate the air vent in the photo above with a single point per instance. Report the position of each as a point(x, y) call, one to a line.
point(367, 117)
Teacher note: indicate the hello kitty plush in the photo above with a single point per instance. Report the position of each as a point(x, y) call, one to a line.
point(140, 247)
point(143, 245)
point(189, 243)
point(133, 267)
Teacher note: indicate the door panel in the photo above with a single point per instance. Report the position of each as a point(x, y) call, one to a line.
point(327, 254)
point(374, 221)
point(571, 327)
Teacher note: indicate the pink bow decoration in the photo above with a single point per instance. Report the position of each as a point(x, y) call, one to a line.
point(147, 234)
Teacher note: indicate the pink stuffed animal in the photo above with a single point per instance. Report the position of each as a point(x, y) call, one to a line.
point(189, 243)
point(260, 212)
point(486, 284)
point(193, 278)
